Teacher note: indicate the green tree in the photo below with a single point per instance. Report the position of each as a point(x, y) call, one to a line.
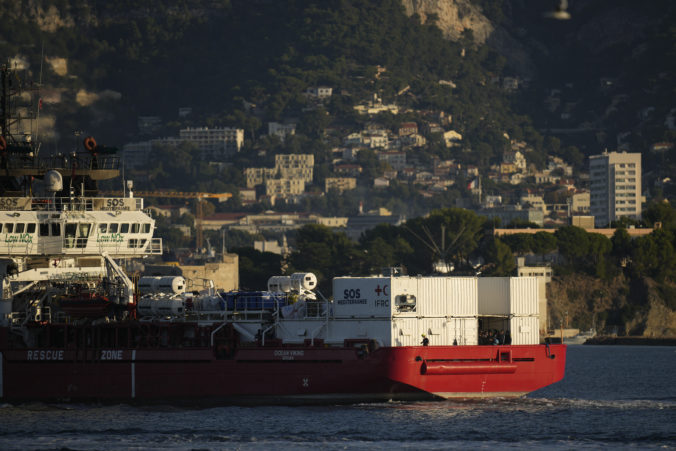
point(450, 235)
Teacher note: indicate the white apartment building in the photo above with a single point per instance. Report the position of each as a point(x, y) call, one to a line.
point(214, 142)
point(615, 188)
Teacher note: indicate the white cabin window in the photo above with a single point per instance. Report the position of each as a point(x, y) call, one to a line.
point(124, 228)
point(19, 228)
point(44, 229)
point(135, 228)
point(56, 229)
point(9, 227)
point(146, 228)
point(103, 228)
point(113, 228)
point(30, 228)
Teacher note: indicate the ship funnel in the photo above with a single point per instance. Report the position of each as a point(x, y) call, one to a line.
point(54, 181)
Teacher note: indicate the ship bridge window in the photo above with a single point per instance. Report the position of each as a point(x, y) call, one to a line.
point(113, 228)
point(70, 236)
point(146, 228)
point(56, 229)
point(135, 228)
point(103, 228)
point(124, 228)
point(44, 229)
point(134, 243)
point(30, 228)
point(0, 227)
point(9, 227)
point(76, 235)
point(19, 228)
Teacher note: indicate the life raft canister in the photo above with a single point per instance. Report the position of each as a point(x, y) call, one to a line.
point(90, 143)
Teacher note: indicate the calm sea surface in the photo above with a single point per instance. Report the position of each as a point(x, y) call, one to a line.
point(619, 397)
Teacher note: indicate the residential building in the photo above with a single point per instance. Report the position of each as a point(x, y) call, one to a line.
point(340, 183)
point(397, 160)
point(214, 143)
point(615, 186)
point(319, 92)
point(533, 201)
point(284, 187)
point(296, 166)
point(349, 169)
point(257, 176)
point(516, 158)
point(510, 213)
point(408, 128)
point(579, 203)
point(281, 130)
point(452, 138)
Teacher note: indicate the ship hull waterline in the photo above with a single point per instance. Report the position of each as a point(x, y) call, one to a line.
point(278, 375)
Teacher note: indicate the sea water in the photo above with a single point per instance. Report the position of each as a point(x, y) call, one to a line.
point(619, 397)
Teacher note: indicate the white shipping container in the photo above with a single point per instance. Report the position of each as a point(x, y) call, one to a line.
point(405, 332)
point(524, 330)
point(523, 299)
point(493, 293)
point(362, 297)
point(464, 296)
point(404, 296)
point(508, 296)
point(447, 296)
point(464, 331)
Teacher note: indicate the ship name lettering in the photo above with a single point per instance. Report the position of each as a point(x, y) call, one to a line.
point(50, 354)
point(288, 354)
point(108, 354)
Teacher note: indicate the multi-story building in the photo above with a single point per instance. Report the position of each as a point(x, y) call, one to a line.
point(281, 130)
point(214, 143)
point(288, 177)
point(340, 183)
point(395, 159)
point(284, 187)
point(296, 166)
point(615, 186)
point(258, 176)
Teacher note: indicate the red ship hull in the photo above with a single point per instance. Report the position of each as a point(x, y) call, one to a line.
point(284, 374)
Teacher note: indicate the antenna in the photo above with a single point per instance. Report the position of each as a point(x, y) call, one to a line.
point(37, 120)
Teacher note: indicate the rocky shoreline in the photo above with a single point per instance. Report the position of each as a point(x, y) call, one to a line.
point(631, 341)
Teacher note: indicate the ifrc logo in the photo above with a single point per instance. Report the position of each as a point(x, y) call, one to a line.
point(382, 290)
